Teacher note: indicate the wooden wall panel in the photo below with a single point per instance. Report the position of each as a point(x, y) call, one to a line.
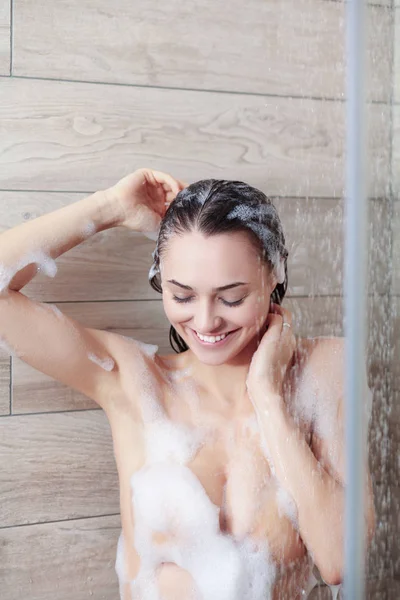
point(396, 65)
point(396, 152)
point(5, 36)
point(83, 554)
point(60, 136)
point(60, 561)
point(293, 47)
point(396, 249)
point(56, 467)
point(5, 382)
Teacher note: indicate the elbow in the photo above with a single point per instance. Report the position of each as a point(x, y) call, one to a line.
point(332, 577)
point(334, 574)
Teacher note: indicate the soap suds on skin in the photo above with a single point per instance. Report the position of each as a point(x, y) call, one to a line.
point(4, 345)
point(89, 229)
point(168, 499)
point(105, 363)
point(44, 262)
point(287, 506)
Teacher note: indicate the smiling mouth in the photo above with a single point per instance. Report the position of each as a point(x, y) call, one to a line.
point(215, 342)
point(216, 334)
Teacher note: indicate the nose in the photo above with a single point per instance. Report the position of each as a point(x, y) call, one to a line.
point(206, 321)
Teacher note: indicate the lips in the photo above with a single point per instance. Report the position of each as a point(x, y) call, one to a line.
point(218, 344)
point(215, 334)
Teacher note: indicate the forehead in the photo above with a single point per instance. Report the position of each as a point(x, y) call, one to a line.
point(224, 255)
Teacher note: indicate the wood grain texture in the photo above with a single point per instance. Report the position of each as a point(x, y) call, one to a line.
point(396, 153)
point(5, 382)
point(395, 348)
point(5, 35)
point(291, 47)
point(396, 59)
point(60, 561)
point(68, 136)
point(83, 555)
point(396, 249)
point(57, 467)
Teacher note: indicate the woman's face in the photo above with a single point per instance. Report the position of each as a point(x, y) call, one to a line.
point(192, 268)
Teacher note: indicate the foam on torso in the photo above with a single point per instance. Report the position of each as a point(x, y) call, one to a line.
point(175, 520)
point(168, 499)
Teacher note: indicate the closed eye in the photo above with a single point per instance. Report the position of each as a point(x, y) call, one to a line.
point(236, 303)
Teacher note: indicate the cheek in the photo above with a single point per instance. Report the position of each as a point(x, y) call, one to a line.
point(176, 312)
point(253, 314)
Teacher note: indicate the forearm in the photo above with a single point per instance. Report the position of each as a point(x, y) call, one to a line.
point(50, 235)
point(319, 498)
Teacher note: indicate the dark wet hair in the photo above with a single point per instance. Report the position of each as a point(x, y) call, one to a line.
point(212, 207)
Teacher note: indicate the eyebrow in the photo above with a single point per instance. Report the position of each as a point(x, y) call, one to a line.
point(218, 289)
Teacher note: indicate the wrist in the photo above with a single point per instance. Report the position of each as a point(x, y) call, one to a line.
point(264, 393)
point(110, 212)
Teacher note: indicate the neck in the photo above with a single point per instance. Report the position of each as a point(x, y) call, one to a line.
point(224, 383)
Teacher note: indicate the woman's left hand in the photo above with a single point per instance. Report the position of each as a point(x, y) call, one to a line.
point(270, 361)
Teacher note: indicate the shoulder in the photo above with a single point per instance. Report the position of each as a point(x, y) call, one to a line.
point(325, 377)
point(319, 361)
point(325, 362)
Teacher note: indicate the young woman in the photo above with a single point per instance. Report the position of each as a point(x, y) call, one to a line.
point(230, 450)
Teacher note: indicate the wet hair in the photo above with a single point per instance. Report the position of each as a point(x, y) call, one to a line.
point(213, 207)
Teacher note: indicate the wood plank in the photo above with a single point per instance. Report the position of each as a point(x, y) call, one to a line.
point(75, 559)
point(396, 64)
point(64, 561)
point(5, 35)
point(57, 467)
point(393, 530)
point(395, 348)
point(114, 264)
point(290, 48)
point(5, 382)
point(396, 152)
point(57, 136)
point(396, 248)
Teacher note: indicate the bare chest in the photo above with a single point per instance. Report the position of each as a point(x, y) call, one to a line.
point(224, 456)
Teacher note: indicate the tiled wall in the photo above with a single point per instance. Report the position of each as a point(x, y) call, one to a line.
point(91, 91)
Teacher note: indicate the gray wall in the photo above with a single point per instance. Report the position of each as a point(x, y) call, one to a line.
point(90, 92)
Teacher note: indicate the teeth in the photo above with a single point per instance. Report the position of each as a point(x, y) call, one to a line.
point(212, 339)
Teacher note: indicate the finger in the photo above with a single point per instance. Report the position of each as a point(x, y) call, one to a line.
point(279, 309)
point(167, 181)
point(274, 325)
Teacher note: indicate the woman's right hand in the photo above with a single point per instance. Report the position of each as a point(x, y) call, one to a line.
point(143, 198)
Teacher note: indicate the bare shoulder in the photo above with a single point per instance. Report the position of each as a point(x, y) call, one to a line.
point(316, 376)
point(318, 355)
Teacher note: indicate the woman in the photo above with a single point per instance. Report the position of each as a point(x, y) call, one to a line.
point(230, 450)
